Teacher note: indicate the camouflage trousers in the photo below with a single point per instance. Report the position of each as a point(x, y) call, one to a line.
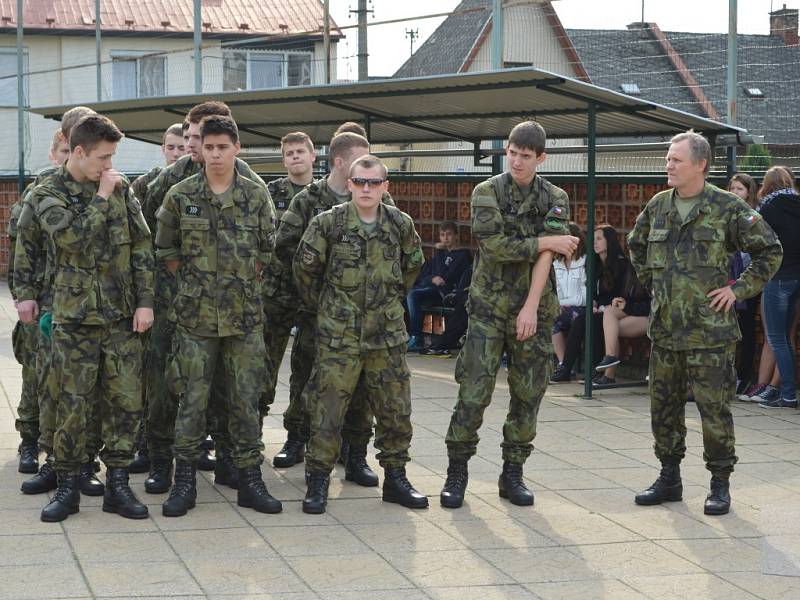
point(162, 404)
point(529, 367)
point(710, 373)
point(278, 322)
point(24, 340)
point(47, 392)
point(192, 371)
point(384, 376)
point(296, 419)
point(96, 366)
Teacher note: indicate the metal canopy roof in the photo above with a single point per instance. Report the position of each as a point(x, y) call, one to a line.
point(471, 107)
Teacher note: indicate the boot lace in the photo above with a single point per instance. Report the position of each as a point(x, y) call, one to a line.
point(456, 477)
point(317, 485)
point(183, 480)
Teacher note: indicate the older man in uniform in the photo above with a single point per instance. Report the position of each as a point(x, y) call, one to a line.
point(681, 247)
point(516, 217)
point(355, 264)
point(216, 231)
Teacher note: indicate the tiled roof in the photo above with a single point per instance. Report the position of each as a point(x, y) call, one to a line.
point(616, 56)
point(169, 16)
point(765, 62)
point(447, 47)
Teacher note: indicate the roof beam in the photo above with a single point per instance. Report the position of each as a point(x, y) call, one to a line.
point(390, 119)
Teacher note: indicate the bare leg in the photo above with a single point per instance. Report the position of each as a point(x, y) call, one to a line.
point(559, 345)
point(629, 327)
point(611, 319)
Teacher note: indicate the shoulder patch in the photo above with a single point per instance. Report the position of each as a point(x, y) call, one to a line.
point(193, 210)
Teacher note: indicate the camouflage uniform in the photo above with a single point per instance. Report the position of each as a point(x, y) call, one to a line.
point(506, 222)
point(33, 280)
point(222, 243)
point(314, 199)
point(280, 307)
point(24, 340)
point(102, 272)
point(681, 262)
point(162, 407)
point(358, 281)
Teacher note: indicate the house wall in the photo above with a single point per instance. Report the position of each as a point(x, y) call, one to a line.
point(64, 81)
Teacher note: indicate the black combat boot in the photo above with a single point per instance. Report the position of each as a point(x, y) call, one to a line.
point(667, 488)
point(119, 497)
point(398, 489)
point(44, 481)
point(183, 495)
point(28, 456)
point(224, 471)
point(512, 487)
point(718, 502)
point(160, 476)
point(455, 486)
point(253, 492)
point(344, 451)
point(292, 453)
point(141, 462)
point(88, 483)
point(357, 470)
point(66, 501)
point(317, 493)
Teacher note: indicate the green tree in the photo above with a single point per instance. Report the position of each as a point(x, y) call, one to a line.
point(756, 159)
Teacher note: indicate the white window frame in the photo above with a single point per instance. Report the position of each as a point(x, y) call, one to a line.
point(284, 54)
point(136, 56)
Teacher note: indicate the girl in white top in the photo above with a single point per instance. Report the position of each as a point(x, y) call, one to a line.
point(571, 288)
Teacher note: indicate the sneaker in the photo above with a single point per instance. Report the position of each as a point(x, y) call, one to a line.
point(751, 393)
point(768, 394)
point(779, 403)
point(437, 352)
point(560, 375)
point(603, 380)
point(608, 361)
point(415, 344)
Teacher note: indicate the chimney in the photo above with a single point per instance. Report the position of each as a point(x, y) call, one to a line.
point(783, 23)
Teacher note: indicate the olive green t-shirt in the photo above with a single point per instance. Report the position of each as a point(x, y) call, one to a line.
point(685, 205)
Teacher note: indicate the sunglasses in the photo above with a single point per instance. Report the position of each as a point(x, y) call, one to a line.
point(362, 181)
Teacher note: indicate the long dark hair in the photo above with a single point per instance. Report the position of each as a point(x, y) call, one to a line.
point(750, 185)
point(610, 272)
point(578, 233)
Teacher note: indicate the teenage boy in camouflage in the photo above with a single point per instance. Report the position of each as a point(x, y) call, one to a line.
point(519, 219)
point(216, 232)
point(355, 264)
point(102, 302)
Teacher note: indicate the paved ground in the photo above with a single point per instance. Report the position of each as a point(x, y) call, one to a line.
point(583, 539)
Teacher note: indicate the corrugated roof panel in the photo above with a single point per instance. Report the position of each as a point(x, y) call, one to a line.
point(262, 17)
point(475, 106)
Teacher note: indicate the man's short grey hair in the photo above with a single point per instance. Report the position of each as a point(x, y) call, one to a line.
point(699, 147)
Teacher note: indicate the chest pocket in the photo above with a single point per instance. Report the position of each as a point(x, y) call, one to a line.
point(194, 236)
point(657, 248)
point(346, 268)
point(391, 258)
point(708, 248)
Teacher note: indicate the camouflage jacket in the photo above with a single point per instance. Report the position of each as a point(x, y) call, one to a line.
point(103, 265)
point(507, 227)
point(278, 282)
point(34, 253)
point(139, 187)
point(681, 262)
point(14, 212)
point(358, 280)
point(312, 200)
point(157, 189)
point(222, 250)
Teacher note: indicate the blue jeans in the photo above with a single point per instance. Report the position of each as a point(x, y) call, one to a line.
point(416, 298)
point(780, 298)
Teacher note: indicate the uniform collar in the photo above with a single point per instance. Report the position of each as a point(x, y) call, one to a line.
point(356, 225)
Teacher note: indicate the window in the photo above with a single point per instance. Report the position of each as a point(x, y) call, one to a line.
point(8, 77)
point(138, 76)
point(632, 89)
point(754, 92)
point(260, 69)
